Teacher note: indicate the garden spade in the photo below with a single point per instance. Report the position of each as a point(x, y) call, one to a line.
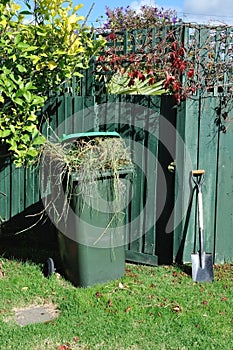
point(202, 262)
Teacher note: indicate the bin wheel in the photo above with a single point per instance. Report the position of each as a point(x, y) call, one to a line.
point(48, 268)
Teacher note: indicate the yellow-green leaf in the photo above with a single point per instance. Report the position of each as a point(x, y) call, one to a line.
point(78, 7)
point(40, 140)
point(21, 68)
point(5, 133)
point(3, 22)
point(15, 7)
point(52, 65)
point(80, 18)
point(32, 117)
point(72, 19)
point(32, 152)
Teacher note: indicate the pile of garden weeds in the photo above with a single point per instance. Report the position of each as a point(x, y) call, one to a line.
point(83, 160)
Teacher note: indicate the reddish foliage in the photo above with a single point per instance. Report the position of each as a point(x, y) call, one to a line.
point(169, 62)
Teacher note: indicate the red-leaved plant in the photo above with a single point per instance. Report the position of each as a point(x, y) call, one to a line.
point(151, 61)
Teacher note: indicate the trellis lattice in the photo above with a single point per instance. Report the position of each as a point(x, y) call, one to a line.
point(207, 51)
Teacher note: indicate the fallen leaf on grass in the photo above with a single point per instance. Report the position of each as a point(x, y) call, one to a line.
point(177, 309)
point(128, 309)
point(109, 303)
point(24, 288)
point(129, 273)
point(150, 296)
point(132, 275)
point(221, 313)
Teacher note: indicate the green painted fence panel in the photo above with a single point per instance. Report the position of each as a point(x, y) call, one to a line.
point(148, 136)
point(190, 156)
point(186, 160)
point(134, 118)
point(17, 196)
point(145, 179)
point(208, 148)
point(208, 160)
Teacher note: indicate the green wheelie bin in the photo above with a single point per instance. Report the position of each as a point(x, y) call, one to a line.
point(92, 237)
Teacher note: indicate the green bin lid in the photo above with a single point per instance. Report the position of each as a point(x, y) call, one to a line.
point(72, 137)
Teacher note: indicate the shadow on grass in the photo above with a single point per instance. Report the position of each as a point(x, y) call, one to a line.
point(28, 240)
point(187, 269)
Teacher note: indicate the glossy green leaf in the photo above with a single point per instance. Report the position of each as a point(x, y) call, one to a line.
point(32, 152)
point(21, 68)
point(4, 133)
point(39, 140)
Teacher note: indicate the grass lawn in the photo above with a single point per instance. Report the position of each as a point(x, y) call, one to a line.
point(149, 308)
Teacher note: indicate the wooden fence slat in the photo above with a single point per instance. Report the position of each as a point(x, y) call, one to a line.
point(186, 160)
point(224, 215)
point(17, 190)
point(207, 159)
point(152, 171)
point(32, 191)
point(165, 181)
point(5, 189)
point(141, 183)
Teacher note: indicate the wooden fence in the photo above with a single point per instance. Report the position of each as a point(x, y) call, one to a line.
point(197, 134)
point(204, 142)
